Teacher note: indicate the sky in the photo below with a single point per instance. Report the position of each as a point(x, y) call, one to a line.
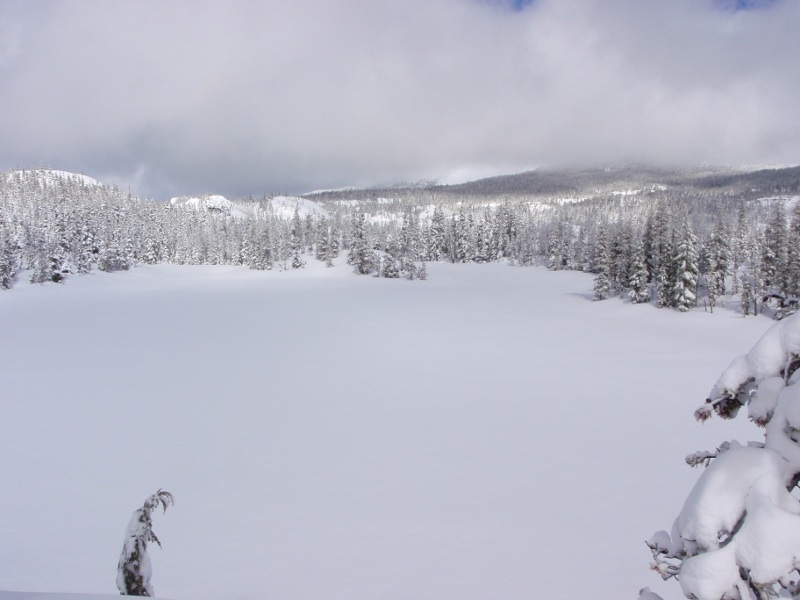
point(249, 98)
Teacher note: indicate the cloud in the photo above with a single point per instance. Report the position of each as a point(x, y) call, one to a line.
point(251, 97)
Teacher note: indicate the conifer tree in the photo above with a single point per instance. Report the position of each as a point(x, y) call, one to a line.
point(7, 263)
point(601, 280)
point(423, 272)
point(133, 569)
point(296, 241)
point(686, 272)
point(389, 267)
point(775, 252)
point(361, 255)
point(747, 296)
point(639, 288)
point(793, 255)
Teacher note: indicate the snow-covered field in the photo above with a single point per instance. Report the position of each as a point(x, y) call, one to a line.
point(488, 433)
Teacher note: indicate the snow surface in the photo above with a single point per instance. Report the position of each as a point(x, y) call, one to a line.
point(49, 176)
point(210, 202)
point(487, 433)
point(284, 207)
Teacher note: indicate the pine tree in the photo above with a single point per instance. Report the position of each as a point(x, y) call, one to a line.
point(436, 249)
point(684, 294)
point(747, 296)
point(297, 241)
point(793, 257)
point(423, 272)
point(361, 255)
point(736, 536)
point(719, 255)
point(8, 272)
point(133, 568)
point(639, 288)
point(601, 281)
point(775, 252)
point(389, 267)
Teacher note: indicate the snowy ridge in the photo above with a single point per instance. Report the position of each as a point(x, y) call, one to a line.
point(284, 207)
point(51, 176)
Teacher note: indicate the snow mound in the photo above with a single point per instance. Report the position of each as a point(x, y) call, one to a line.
point(284, 207)
point(212, 203)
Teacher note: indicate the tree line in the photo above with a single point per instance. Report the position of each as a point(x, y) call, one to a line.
point(670, 247)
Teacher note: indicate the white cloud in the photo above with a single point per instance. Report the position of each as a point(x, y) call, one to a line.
point(239, 97)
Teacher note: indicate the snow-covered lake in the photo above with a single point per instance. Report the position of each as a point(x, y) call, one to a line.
point(489, 433)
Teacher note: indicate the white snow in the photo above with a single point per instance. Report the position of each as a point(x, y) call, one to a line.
point(487, 433)
point(49, 176)
point(284, 207)
point(210, 202)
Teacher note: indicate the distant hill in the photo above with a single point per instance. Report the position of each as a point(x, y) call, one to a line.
point(596, 182)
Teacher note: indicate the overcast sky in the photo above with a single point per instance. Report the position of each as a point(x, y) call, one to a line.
point(255, 97)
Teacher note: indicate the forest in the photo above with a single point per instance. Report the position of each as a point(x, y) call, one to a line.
point(676, 239)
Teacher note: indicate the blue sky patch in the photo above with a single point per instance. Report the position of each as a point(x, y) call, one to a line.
point(738, 5)
point(514, 5)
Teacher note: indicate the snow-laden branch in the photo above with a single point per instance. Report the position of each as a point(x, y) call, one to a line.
point(738, 533)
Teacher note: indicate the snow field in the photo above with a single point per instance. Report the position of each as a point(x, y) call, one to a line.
point(488, 433)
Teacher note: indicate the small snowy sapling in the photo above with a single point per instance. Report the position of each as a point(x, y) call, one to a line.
point(134, 570)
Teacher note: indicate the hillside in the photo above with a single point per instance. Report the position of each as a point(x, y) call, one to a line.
point(546, 184)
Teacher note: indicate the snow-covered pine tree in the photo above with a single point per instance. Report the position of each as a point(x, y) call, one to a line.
point(437, 233)
point(389, 267)
point(323, 239)
point(639, 288)
point(684, 295)
point(738, 533)
point(410, 269)
point(361, 256)
point(739, 245)
point(793, 257)
point(719, 254)
point(8, 270)
point(296, 240)
point(747, 296)
point(134, 570)
point(775, 252)
point(602, 269)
